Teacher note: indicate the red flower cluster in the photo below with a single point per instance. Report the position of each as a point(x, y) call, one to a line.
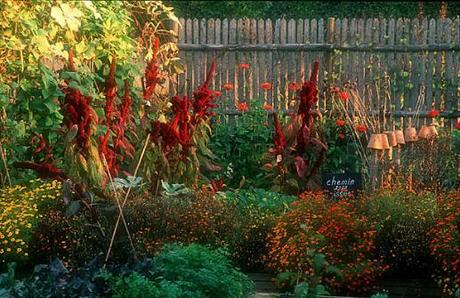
point(228, 86)
point(344, 95)
point(361, 128)
point(433, 113)
point(182, 125)
point(42, 146)
point(267, 107)
point(217, 185)
point(112, 153)
point(244, 65)
point(300, 134)
point(266, 86)
point(294, 86)
point(204, 98)
point(243, 107)
point(77, 111)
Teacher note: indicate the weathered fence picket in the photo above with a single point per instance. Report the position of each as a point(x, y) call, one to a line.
point(409, 54)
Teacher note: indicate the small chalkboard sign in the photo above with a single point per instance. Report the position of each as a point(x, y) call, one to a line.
point(341, 185)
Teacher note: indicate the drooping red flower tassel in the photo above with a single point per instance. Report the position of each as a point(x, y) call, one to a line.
point(43, 170)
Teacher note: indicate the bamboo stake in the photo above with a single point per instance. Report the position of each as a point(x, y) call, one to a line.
point(118, 204)
point(125, 200)
point(5, 164)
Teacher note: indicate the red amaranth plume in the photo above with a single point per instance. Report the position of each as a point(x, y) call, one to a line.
point(279, 139)
point(77, 110)
point(152, 73)
point(308, 93)
point(44, 170)
point(308, 96)
point(164, 132)
point(110, 91)
point(203, 98)
point(181, 121)
point(125, 105)
point(42, 147)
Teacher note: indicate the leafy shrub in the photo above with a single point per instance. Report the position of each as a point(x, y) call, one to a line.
point(444, 245)
point(33, 72)
point(20, 211)
point(311, 286)
point(433, 164)
point(197, 217)
point(205, 272)
point(342, 153)
point(334, 229)
point(298, 151)
point(403, 220)
point(241, 144)
point(257, 212)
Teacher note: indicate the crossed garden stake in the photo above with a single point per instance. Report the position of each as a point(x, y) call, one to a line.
point(120, 207)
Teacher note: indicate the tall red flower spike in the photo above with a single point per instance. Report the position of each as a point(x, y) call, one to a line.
point(77, 110)
point(308, 96)
point(110, 91)
point(181, 127)
point(152, 73)
point(203, 98)
point(279, 139)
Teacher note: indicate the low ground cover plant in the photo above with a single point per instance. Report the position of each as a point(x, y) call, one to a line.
point(21, 208)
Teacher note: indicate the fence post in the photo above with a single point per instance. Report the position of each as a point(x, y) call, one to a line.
point(329, 60)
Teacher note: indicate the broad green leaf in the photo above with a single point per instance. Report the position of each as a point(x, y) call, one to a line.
point(73, 208)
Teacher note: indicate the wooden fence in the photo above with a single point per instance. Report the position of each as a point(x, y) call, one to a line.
point(403, 55)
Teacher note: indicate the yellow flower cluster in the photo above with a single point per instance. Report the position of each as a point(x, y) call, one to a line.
point(19, 214)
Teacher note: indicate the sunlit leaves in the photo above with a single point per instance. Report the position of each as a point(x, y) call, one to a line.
point(65, 15)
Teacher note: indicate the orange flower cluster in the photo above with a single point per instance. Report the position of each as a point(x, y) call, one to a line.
point(266, 86)
point(243, 107)
point(445, 243)
point(333, 229)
